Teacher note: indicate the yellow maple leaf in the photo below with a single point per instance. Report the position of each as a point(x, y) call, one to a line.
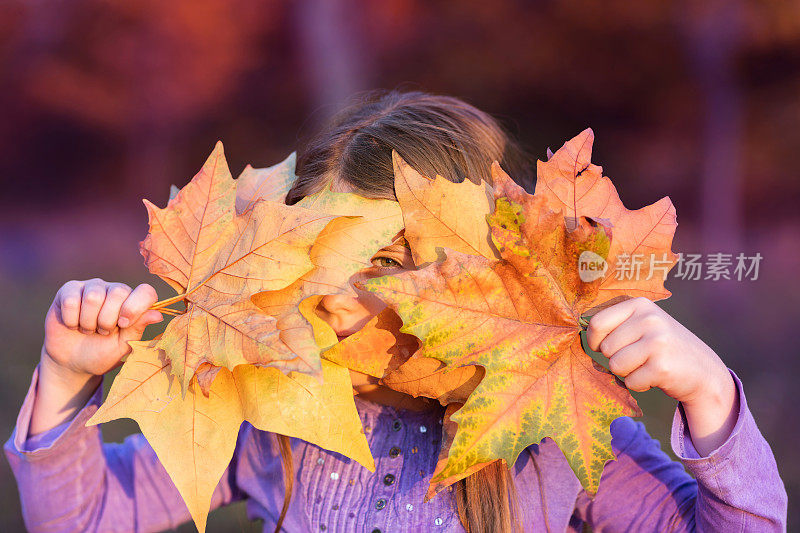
point(194, 436)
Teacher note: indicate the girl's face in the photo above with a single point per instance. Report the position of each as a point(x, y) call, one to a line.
point(346, 314)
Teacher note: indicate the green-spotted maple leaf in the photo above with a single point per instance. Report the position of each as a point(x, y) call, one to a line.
point(449, 430)
point(216, 258)
point(572, 183)
point(518, 318)
point(381, 350)
point(194, 436)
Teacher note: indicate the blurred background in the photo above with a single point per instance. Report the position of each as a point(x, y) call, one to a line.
point(106, 103)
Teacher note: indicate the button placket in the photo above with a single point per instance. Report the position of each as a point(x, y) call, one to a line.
point(390, 468)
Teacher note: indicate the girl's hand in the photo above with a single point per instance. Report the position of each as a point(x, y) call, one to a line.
point(89, 324)
point(649, 348)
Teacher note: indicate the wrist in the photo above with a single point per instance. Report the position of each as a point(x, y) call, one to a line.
point(65, 378)
point(719, 390)
point(711, 415)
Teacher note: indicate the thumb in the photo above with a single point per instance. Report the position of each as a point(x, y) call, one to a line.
point(135, 330)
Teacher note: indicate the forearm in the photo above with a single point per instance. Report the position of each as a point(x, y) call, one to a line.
point(60, 395)
point(712, 415)
point(69, 480)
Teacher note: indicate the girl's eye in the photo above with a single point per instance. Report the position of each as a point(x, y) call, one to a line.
point(385, 262)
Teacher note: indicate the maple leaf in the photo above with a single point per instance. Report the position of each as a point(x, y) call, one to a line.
point(216, 259)
point(424, 376)
point(518, 318)
point(362, 227)
point(194, 436)
point(381, 350)
point(570, 181)
point(339, 255)
point(441, 213)
point(377, 348)
point(271, 183)
point(449, 430)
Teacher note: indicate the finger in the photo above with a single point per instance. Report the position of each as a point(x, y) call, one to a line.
point(628, 359)
point(137, 302)
point(68, 301)
point(135, 330)
point(92, 298)
point(116, 293)
point(604, 322)
point(641, 379)
point(625, 334)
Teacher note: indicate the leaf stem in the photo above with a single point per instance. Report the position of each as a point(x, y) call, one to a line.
point(168, 301)
point(169, 311)
point(583, 322)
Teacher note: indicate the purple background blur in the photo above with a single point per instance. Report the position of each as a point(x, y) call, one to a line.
point(106, 103)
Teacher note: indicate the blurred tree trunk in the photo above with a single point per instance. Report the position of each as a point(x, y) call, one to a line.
point(713, 31)
point(333, 52)
point(713, 35)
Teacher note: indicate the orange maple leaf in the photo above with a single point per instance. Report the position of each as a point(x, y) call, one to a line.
point(519, 319)
point(216, 259)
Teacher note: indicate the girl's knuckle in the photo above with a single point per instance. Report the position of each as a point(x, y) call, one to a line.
point(659, 342)
point(149, 291)
point(119, 291)
point(651, 321)
point(93, 297)
point(660, 366)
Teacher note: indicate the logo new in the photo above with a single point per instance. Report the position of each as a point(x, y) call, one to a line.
point(591, 266)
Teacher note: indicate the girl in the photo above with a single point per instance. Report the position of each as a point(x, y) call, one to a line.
point(70, 481)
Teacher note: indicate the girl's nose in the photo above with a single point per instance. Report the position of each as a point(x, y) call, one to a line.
point(340, 304)
point(346, 314)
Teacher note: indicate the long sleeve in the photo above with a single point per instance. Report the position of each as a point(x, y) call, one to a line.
point(69, 480)
point(735, 488)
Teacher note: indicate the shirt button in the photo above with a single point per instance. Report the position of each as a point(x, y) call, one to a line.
point(388, 479)
point(394, 452)
point(376, 530)
point(380, 504)
point(397, 425)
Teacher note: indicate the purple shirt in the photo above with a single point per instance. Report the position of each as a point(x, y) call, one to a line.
point(69, 480)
